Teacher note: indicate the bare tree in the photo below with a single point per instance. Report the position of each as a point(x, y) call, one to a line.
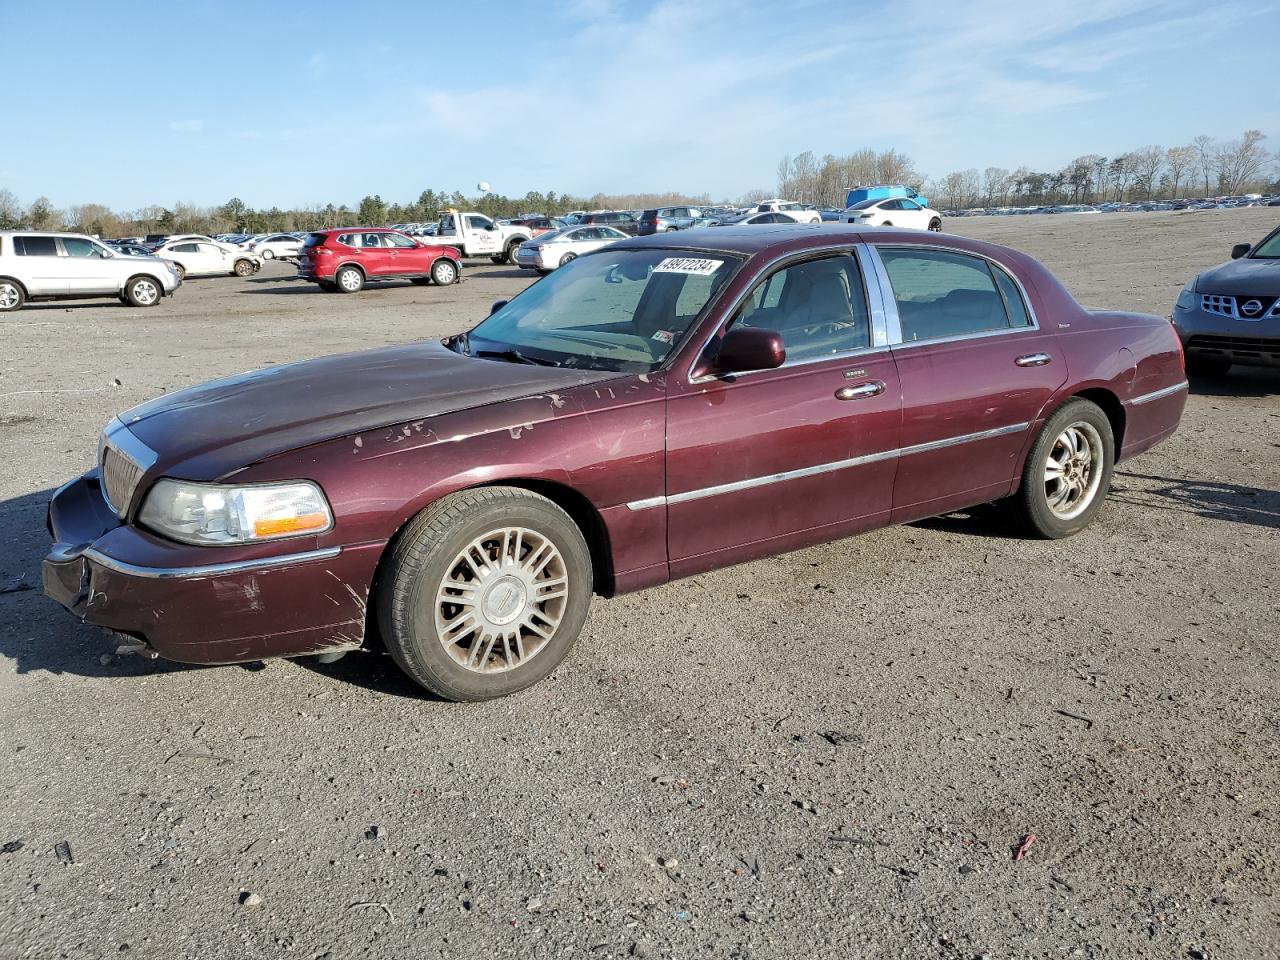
point(1147, 164)
point(1205, 151)
point(1179, 161)
point(995, 185)
point(10, 210)
point(1240, 162)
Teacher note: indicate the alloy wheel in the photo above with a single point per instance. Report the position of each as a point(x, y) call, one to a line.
point(145, 292)
point(1073, 470)
point(10, 296)
point(502, 599)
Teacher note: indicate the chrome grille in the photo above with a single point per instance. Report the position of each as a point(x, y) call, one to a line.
point(1222, 306)
point(120, 477)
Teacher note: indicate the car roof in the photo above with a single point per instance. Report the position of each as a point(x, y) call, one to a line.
point(797, 237)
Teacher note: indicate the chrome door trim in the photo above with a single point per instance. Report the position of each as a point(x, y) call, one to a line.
point(207, 570)
point(893, 323)
point(1157, 394)
point(821, 468)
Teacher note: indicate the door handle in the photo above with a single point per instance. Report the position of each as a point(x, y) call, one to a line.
point(1034, 360)
point(872, 389)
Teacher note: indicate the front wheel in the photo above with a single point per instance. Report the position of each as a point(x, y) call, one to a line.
point(1068, 473)
point(444, 272)
point(485, 593)
point(935, 225)
point(243, 268)
point(11, 296)
point(143, 292)
point(181, 271)
point(509, 255)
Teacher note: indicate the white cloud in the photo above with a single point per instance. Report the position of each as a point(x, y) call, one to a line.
point(186, 126)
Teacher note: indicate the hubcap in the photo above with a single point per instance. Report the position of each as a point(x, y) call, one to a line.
point(444, 273)
point(350, 280)
point(501, 600)
point(8, 296)
point(1073, 470)
point(144, 291)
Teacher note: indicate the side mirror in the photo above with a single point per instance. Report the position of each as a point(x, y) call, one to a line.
point(496, 306)
point(1240, 249)
point(742, 350)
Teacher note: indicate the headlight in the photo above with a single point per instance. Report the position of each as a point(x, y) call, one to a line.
point(213, 514)
point(1187, 298)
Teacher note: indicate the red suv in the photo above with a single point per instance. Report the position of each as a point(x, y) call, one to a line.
point(346, 259)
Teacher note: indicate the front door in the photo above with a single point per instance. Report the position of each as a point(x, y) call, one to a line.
point(976, 373)
point(87, 270)
point(772, 460)
point(483, 235)
point(404, 257)
point(213, 260)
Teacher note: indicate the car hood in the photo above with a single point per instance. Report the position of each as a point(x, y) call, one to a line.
point(1243, 278)
point(213, 429)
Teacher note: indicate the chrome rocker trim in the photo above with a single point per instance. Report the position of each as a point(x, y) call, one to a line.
point(824, 468)
point(1157, 394)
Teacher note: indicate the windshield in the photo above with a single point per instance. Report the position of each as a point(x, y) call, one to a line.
point(620, 310)
point(1268, 249)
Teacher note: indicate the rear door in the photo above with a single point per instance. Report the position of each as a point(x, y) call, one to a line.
point(976, 372)
point(771, 460)
point(374, 255)
point(42, 267)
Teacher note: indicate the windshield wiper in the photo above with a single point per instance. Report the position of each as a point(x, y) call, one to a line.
point(515, 356)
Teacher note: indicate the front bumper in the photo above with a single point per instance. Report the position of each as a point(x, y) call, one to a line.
point(1249, 342)
point(203, 604)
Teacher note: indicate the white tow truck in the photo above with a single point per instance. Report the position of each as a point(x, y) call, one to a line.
point(475, 235)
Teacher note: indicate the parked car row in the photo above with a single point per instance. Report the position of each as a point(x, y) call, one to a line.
point(1148, 206)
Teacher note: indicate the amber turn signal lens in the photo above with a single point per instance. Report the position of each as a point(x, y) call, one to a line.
point(275, 526)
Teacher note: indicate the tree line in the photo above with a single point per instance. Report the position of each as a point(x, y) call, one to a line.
point(236, 216)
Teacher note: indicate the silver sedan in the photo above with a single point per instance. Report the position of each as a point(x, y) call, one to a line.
point(550, 250)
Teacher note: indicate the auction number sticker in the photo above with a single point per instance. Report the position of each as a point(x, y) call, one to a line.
point(694, 265)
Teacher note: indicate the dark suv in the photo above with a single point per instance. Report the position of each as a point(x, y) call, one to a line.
point(666, 219)
point(616, 219)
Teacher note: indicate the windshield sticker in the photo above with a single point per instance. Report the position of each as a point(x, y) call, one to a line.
point(664, 336)
point(693, 265)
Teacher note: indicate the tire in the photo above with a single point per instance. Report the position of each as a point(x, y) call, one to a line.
point(935, 225)
point(499, 258)
point(349, 280)
point(12, 296)
point(509, 255)
point(181, 271)
point(670, 230)
point(1199, 366)
point(887, 223)
point(1079, 437)
point(444, 272)
point(243, 268)
point(568, 257)
point(143, 291)
point(537, 545)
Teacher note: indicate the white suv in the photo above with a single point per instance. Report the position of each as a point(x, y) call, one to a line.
point(70, 266)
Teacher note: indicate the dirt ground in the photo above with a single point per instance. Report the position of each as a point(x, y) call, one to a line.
point(828, 754)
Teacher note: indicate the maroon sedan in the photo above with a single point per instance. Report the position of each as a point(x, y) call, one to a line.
point(655, 409)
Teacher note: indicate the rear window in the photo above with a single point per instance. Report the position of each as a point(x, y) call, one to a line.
point(35, 247)
point(315, 240)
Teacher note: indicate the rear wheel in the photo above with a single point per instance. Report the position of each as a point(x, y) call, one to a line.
point(349, 280)
point(243, 268)
point(509, 255)
point(11, 296)
point(485, 592)
point(268, 254)
point(1207, 366)
point(935, 225)
point(567, 257)
point(143, 292)
point(181, 272)
point(1068, 472)
point(444, 272)
point(887, 223)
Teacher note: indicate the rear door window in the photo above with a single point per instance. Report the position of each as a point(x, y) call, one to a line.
point(941, 295)
point(35, 246)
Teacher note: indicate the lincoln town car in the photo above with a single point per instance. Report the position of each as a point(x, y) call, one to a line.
point(655, 409)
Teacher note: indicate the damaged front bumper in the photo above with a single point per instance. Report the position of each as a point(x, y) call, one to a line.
point(175, 601)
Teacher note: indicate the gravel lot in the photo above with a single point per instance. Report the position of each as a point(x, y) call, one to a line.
point(828, 754)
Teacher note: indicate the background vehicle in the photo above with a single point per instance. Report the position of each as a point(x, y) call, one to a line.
point(540, 225)
point(667, 219)
point(552, 250)
point(475, 235)
point(208, 258)
point(618, 219)
point(757, 219)
point(1231, 313)
point(70, 266)
point(129, 248)
point(798, 211)
point(345, 260)
point(895, 212)
point(276, 245)
point(882, 192)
